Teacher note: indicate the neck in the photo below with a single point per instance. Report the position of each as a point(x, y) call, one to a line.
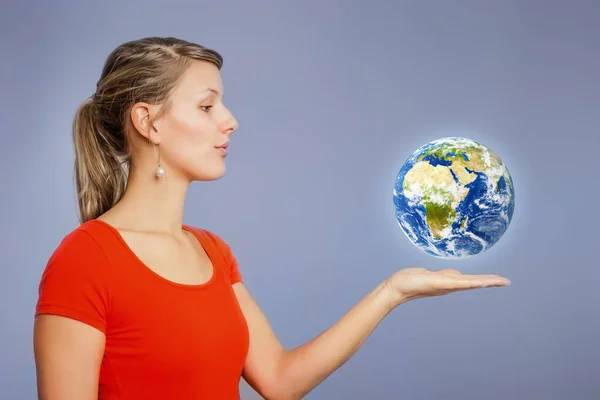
point(151, 204)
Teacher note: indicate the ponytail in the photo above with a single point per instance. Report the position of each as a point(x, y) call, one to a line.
point(100, 178)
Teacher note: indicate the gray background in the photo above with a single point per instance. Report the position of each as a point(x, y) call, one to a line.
point(332, 96)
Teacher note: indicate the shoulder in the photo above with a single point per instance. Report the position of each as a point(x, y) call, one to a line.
point(213, 237)
point(215, 242)
point(78, 252)
point(76, 280)
point(80, 242)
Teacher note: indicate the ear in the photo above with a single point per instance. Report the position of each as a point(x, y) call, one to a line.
point(141, 118)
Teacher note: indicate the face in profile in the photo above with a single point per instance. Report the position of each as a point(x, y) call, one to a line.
point(196, 129)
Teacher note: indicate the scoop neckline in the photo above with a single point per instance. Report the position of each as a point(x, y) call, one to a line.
point(187, 228)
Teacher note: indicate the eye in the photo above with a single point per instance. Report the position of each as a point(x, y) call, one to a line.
point(205, 108)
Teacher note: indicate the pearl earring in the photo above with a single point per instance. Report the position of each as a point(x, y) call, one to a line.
point(160, 171)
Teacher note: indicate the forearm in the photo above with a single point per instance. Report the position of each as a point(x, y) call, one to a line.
point(305, 367)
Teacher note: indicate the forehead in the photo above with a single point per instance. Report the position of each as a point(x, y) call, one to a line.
point(199, 77)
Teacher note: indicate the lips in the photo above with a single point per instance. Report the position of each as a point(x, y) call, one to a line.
point(223, 148)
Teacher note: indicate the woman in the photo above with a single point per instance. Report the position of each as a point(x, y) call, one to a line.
point(134, 304)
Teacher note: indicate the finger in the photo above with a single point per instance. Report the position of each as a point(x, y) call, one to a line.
point(473, 281)
point(491, 278)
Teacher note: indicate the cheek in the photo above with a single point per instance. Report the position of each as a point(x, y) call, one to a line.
point(188, 139)
point(190, 130)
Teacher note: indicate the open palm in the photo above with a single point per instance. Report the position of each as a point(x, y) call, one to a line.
point(414, 283)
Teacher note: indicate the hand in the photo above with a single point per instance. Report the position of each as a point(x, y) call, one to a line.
point(415, 283)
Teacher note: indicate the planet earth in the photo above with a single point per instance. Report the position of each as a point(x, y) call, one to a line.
point(454, 198)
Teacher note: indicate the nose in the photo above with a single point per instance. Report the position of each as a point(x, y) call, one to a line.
point(230, 124)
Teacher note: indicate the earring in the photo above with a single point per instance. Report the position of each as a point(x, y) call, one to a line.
point(160, 171)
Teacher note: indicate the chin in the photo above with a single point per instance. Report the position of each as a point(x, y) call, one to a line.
point(209, 175)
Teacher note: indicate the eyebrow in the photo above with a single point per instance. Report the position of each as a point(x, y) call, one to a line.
point(211, 90)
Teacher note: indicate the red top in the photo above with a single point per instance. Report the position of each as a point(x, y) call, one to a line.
point(164, 340)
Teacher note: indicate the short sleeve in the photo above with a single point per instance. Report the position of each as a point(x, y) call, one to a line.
point(75, 282)
point(234, 271)
point(230, 262)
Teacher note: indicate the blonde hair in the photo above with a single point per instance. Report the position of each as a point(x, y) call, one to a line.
point(144, 70)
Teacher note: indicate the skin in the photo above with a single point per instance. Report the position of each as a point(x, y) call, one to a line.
point(68, 353)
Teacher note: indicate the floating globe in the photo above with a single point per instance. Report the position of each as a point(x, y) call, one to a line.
point(454, 198)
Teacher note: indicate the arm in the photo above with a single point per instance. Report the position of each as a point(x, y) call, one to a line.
point(68, 354)
point(280, 374)
point(277, 373)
